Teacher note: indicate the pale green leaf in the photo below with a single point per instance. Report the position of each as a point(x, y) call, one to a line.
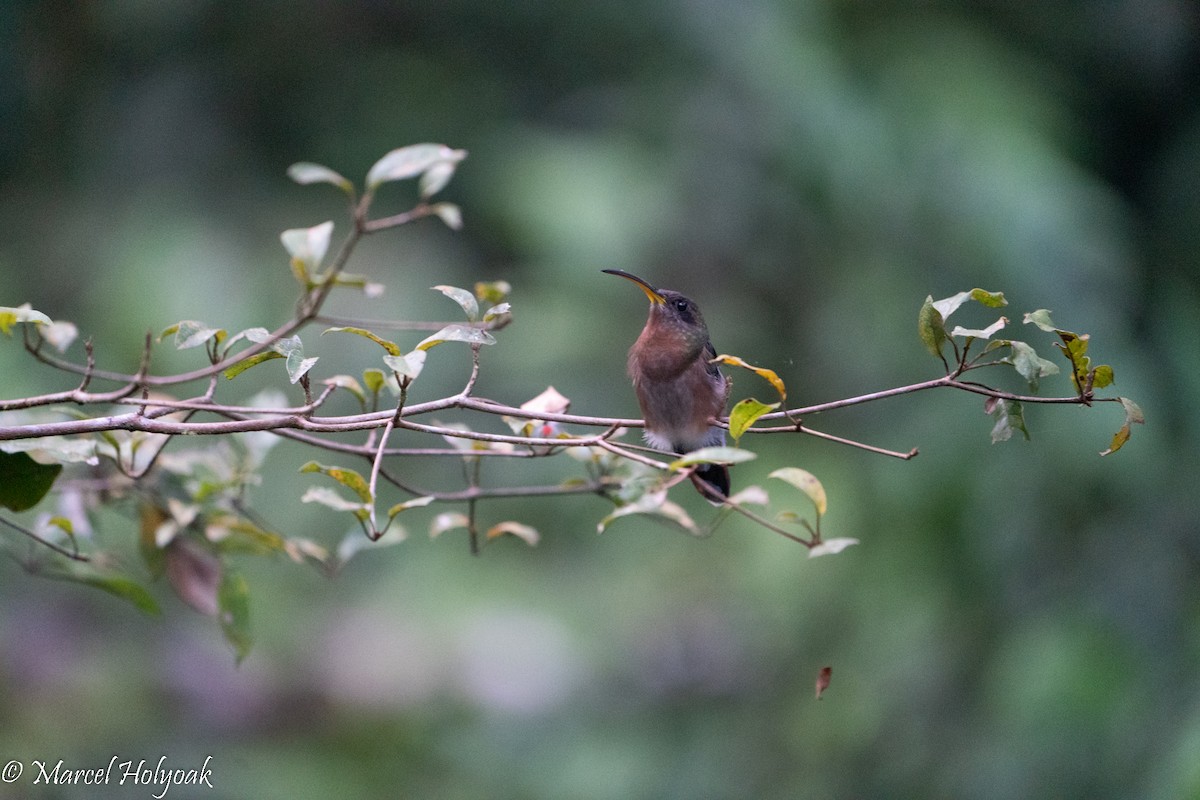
point(1041, 318)
point(409, 162)
point(524, 532)
point(447, 521)
point(1009, 416)
point(465, 300)
point(190, 333)
point(347, 382)
point(305, 172)
point(60, 335)
point(416, 502)
point(307, 247)
point(830, 546)
point(980, 333)
point(328, 497)
point(450, 214)
point(434, 179)
point(1029, 365)
point(714, 455)
point(654, 505)
point(409, 365)
point(806, 482)
point(22, 313)
point(457, 333)
point(752, 495)
point(497, 311)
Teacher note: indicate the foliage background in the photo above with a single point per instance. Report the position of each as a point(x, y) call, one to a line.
point(1020, 620)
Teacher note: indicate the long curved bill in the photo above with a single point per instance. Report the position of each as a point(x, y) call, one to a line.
point(654, 295)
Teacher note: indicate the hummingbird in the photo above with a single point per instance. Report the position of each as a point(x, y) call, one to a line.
point(679, 388)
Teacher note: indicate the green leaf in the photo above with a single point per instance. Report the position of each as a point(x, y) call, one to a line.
point(497, 311)
point(982, 333)
point(116, 585)
point(189, 333)
point(931, 327)
point(949, 305)
point(346, 477)
point(464, 298)
point(246, 363)
point(409, 162)
point(408, 366)
point(806, 482)
point(457, 333)
point(349, 383)
point(745, 413)
point(1102, 376)
point(830, 547)
point(56, 449)
point(1041, 318)
point(524, 532)
point(307, 247)
point(305, 172)
point(233, 602)
point(1009, 417)
point(1133, 416)
point(293, 350)
point(1029, 365)
point(391, 347)
point(416, 502)
point(714, 455)
point(493, 292)
point(1075, 347)
point(655, 505)
point(23, 481)
point(988, 299)
point(374, 380)
point(22, 313)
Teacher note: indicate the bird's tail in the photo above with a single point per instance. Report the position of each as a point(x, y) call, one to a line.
point(712, 481)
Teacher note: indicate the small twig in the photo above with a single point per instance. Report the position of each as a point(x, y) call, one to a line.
point(74, 554)
point(766, 523)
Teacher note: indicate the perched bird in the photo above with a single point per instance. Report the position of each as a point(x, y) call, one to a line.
point(678, 387)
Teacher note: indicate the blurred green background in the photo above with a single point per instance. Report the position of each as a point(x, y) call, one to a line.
point(1020, 620)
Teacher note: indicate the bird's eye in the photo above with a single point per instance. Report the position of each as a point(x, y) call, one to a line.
point(682, 305)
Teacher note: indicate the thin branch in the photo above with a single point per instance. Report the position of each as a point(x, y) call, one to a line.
point(73, 554)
